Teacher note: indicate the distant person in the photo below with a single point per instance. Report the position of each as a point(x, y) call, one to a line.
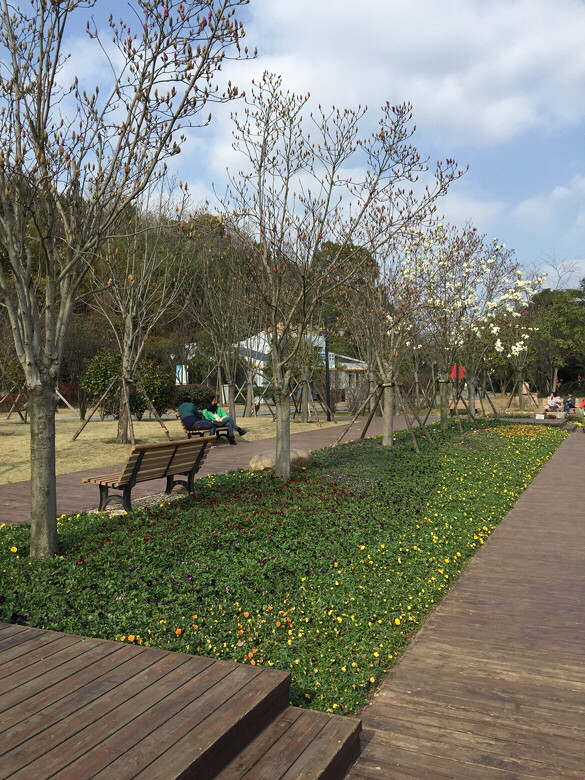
point(192, 419)
point(552, 403)
point(216, 414)
point(569, 403)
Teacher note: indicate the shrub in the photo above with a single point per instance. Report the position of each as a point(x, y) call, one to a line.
point(103, 369)
point(106, 366)
point(197, 394)
point(158, 384)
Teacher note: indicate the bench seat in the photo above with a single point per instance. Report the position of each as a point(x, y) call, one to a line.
point(177, 461)
point(461, 408)
point(205, 432)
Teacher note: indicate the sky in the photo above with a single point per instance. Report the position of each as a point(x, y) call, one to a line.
point(499, 85)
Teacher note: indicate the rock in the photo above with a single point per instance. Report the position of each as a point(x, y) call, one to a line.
point(265, 461)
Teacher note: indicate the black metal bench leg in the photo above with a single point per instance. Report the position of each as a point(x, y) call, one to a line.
point(127, 498)
point(103, 497)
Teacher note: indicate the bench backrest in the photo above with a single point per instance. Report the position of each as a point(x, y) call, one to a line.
point(164, 459)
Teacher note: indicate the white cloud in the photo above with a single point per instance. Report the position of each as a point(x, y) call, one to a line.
point(562, 206)
point(460, 207)
point(476, 72)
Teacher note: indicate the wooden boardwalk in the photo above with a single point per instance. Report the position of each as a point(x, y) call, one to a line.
point(75, 707)
point(493, 686)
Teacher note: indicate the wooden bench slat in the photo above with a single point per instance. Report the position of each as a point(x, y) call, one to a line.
point(145, 462)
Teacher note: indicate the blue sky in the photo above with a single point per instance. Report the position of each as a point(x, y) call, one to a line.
point(496, 84)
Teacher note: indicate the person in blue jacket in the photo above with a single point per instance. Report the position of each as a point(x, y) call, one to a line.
point(192, 419)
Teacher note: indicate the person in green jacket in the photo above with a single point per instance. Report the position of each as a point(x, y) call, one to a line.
point(216, 414)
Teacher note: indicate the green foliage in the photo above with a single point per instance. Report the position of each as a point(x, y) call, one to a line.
point(559, 319)
point(195, 393)
point(327, 576)
point(264, 392)
point(106, 366)
point(158, 383)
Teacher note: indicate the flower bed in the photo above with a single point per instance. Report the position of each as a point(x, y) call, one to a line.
point(327, 576)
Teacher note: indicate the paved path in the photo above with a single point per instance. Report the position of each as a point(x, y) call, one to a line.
point(493, 686)
point(73, 496)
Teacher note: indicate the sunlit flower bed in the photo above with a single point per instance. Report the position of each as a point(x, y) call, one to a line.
point(327, 576)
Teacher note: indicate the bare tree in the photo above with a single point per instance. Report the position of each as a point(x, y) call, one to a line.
point(73, 158)
point(141, 274)
point(297, 193)
point(219, 301)
point(383, 311)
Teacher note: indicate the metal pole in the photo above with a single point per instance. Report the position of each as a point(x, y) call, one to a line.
point(327, 384)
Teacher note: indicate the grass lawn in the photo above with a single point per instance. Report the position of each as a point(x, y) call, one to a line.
point(327, 576)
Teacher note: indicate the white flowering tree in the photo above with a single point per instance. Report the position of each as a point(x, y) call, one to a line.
point(512, 330)
point(464, 280)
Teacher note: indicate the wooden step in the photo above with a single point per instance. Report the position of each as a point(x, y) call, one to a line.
point(299, 744)
point(74, 707)
point(82, 707)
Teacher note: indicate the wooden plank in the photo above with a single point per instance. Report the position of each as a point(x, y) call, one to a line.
point(37, 648)
point(204, 741)
point(16, 636)
point(330, 754)
point(135, 743)
point(413, 765)
point(287, 748)
point(504, 736)
point(50, 671)
point(470, 748)
point(46, 708)
point(246, 761)
point(83, 729)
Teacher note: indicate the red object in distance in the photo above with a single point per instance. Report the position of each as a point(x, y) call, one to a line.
point(457, 372)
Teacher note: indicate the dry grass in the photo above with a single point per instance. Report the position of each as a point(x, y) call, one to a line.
point(96, 447)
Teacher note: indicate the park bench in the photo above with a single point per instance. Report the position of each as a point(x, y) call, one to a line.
point(178, 461)
point(204, 432)
point(461, 408)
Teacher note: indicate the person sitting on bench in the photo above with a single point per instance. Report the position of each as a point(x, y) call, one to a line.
point(552, 403)
point(215, 413)
point(193, 419)
point(569, 403)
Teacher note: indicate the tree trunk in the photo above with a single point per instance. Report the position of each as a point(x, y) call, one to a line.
point(82, 402)
point(43, 492)
point(123, 412)
point(282, 467)
point(521, 391)
point(388, 423)
point(443, 401)
point(372, 401)
point(471, 393)
point(232, 400)
point(305, 398)
point(416, 386)
point(249, 410)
